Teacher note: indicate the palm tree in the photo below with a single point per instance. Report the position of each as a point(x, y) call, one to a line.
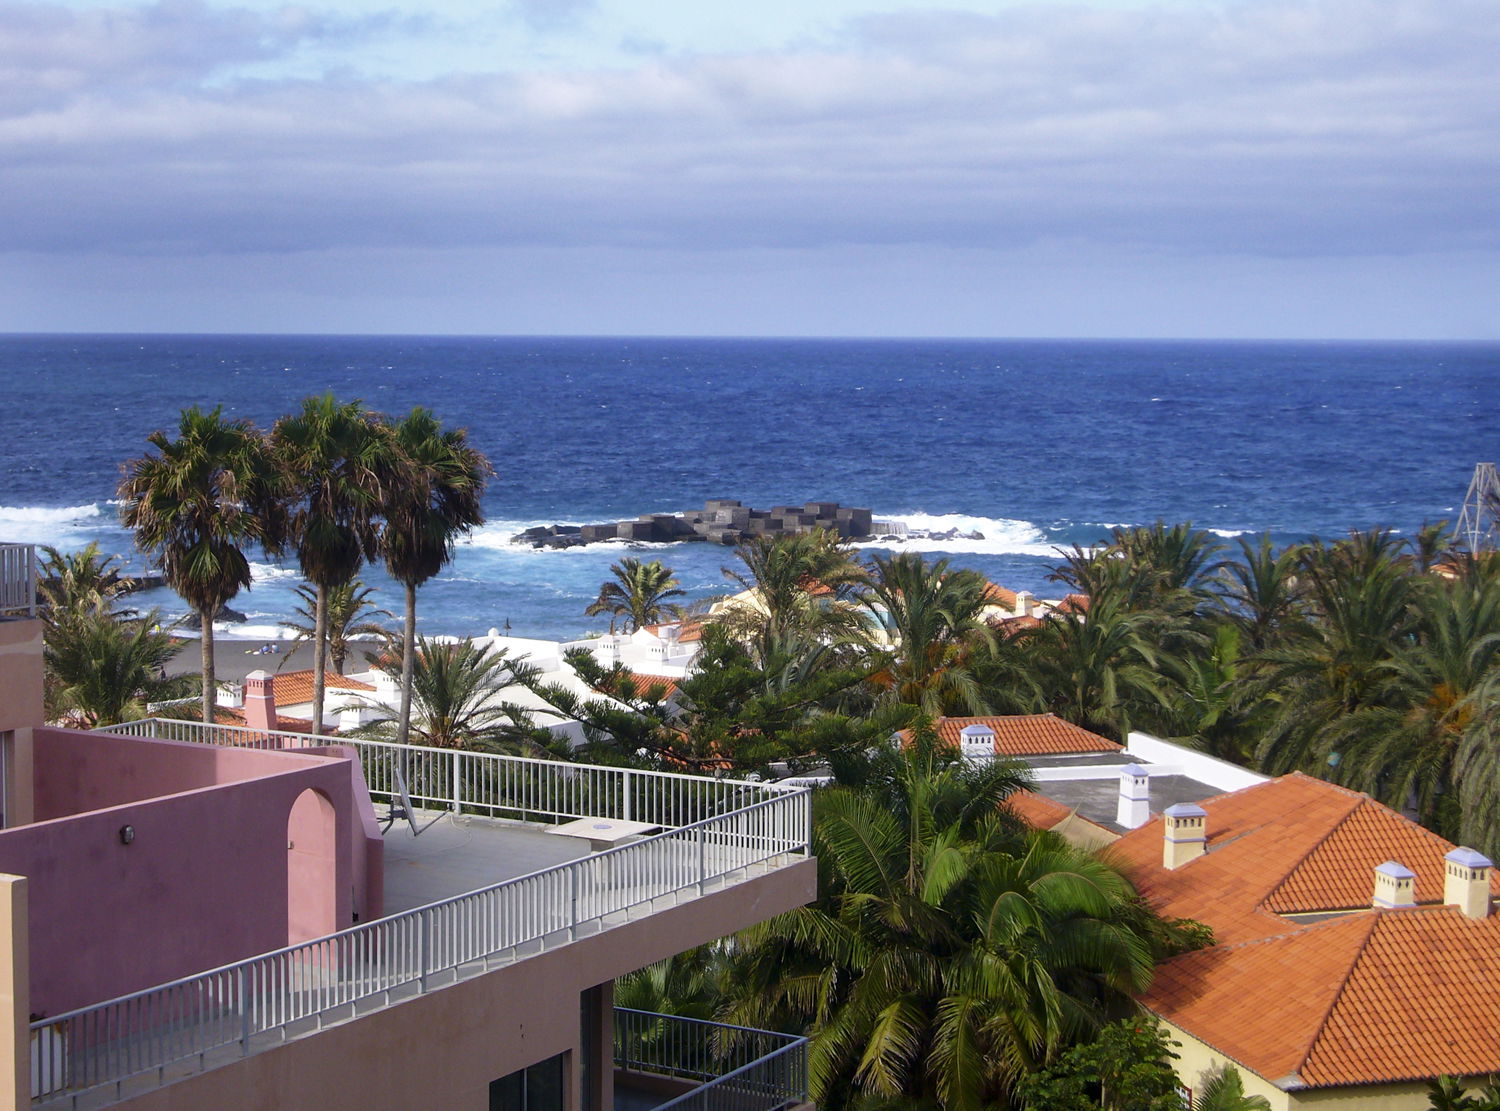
point(195, 506)
point(1099, 669)
point(639, 594)
point(439, 496)
point(455, 698)
point(349, 611)
point(81, 583)
point(1225, 1091)
point(931, 616)
point(340, 460)
point(947, 954)
point(102, 670)
point(799, 585)
point(1260, 591)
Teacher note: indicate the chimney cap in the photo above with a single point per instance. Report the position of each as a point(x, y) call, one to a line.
point(1395, 870)
point(1469, 858)
point(1134, 769)
point(1185, 810)
point(259, 673)
point(978, 729)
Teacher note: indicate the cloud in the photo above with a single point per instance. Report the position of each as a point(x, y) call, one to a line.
point(1278, 128)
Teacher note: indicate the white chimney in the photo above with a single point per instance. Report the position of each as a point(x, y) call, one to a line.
point(1135, 797)
point(1395, 886)
point(1186, 834)
point(1024, 603)
point(1466, 881)
point(976, 742)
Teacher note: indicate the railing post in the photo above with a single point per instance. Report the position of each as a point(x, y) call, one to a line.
point(424, 929)
point(457, 785)
point(626, 811)
point(702, 859)
point(573, 904)
point(239, 990)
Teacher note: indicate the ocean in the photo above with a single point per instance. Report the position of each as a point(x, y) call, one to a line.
point(1036, 445)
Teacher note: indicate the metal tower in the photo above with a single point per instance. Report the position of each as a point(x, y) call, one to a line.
point(1479, 524)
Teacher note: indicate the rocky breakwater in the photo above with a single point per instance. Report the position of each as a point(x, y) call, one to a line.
point(720, 521)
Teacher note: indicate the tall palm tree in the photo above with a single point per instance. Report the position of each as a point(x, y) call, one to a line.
point(931, 616)
point(947, 954)
point(340, 461)
point(639, 594)
point(438, 497)
point(1260, 591)
point(350, 610)
point(196, 505)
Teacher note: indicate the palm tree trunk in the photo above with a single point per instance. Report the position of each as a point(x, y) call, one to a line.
point(408, 655)
point(320, 657)
point(207, 640)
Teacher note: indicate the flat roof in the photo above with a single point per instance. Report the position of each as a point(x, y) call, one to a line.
point(1099, 799)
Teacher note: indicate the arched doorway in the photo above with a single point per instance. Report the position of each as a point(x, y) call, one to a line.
point(311, 867)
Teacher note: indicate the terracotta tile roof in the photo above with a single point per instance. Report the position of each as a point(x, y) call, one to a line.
point(1375, 997)
point(296, 687)
point(1368, 996)
point(1073, 603)
point(230, 715)
point(1038, 811)
point(1011, 626)
point(1291, 845)
point(644, 682)
point(997, 595)
point(1028, 734)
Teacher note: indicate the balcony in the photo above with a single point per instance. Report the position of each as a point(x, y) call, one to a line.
point(709, 1066)
point(490, 886)
point(17, 580)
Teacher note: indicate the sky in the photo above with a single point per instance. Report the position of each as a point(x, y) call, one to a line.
point(1088, 168)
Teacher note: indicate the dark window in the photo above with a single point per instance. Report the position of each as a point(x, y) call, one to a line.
point(538, 1088)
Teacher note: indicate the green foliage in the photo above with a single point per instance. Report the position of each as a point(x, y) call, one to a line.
point(948, 954)
point(1448, 1093)
point(103, 669)
point(350, 609)
point(1127, 1067)
point(639, 594)
point(1224, 1090)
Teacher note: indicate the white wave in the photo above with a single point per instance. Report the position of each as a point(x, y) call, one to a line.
point(62, 526)
point(1228, 533)
point(1000, 535)
point(234, 630)
point(497, 536)
point(269, 572)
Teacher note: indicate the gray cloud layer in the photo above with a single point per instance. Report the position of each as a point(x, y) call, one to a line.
point(1274, 129)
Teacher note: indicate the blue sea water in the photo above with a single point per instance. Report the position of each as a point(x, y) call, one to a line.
point(1036, 444)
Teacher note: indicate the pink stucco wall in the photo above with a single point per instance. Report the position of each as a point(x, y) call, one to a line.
point(203, 883)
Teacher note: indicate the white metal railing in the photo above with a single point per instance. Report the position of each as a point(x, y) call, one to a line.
point(740, 1069)
point(494, 785)
point(18, 579)
point(712, 829)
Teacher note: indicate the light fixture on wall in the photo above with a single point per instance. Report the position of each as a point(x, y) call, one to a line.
point(127, 834)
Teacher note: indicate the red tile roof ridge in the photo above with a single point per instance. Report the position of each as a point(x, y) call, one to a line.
point(1373, 917)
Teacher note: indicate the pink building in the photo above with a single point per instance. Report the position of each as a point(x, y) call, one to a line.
point(215, 917)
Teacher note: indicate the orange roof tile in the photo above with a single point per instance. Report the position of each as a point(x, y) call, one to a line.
point(1375, 997)
point(295, 687)
point(644, 683)
point(1027, 734)
point(1012, 626)
point(232, 715)
point(1368, 996)
point(1073, 603)
point(997, 595)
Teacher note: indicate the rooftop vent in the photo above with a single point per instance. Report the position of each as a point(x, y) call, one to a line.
point(1395, 886)
point(1186, 834)
point(1135, 797)
point(976, 742)
point(1466, 881)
